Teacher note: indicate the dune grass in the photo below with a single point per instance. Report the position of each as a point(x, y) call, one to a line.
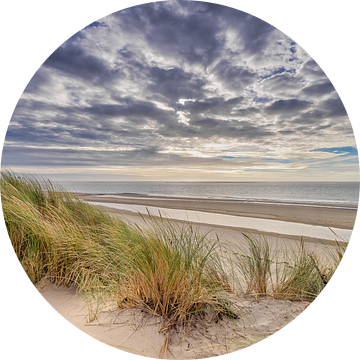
point(292, 273)
point(171, 270)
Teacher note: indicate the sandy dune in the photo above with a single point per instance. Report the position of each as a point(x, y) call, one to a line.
point(140, 333)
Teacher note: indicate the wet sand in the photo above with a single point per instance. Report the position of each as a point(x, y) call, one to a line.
point(328, 215)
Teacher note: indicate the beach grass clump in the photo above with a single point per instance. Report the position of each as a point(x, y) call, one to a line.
point(253, 259)
point(170, 271)
point(301, 274)
point(294, 273)
point(54, 234)
point(174, 272)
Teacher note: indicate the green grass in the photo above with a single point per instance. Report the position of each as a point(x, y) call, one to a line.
point(171, 270)
point(290, 273)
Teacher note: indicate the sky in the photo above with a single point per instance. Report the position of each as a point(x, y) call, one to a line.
point(181, 91)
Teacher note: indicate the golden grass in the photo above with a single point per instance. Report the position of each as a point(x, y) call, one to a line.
point(172, 270)
point(294, 273)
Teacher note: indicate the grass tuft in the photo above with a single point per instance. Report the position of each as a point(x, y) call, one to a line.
point(171, 270)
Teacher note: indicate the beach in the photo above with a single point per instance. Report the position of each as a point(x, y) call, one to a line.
point(284, 225)
point(328, 215)
point(137, 332)
point(221, 97)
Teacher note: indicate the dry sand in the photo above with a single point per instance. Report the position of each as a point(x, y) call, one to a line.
point(137, 332)
point(140, 333)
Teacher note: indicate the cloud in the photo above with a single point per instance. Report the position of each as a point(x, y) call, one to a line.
point(192, 34)
point(176, 83)
point(234, 77)
point(319, 89)
point(283, 85)
point(334, 107)
point(214, 105)
point(38, 81)
point(71, 59)
point(310, 117)
point(311, 70)
point(239, 129)
point(281, 107)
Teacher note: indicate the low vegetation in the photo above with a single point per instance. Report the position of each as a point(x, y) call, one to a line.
point(286, 273)
point(171, 270)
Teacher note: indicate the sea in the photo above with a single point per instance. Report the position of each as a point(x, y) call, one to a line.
point(336, 193)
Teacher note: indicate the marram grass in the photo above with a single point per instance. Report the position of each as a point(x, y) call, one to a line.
point(293, 273)
point(171, 270)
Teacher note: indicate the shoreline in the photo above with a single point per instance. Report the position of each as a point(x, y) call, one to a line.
point(139, 196)
point(134, 331)
point(342, 217)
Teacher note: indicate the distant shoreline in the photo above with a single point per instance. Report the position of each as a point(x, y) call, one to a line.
point(210, 199)
point(329, 215)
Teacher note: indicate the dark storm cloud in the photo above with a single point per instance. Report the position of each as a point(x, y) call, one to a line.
point(79, 131)
point(41, 78)
point(235, 77)
point(135, 110)
point(310, 117)
point(125, 108)
point(207, 127)
point(319, 89)
point(287, 132)
point(334, 107)
point(71, 59)
point(179, 131)
point(96, 126)
point(34, 105)
point(254, 33)
point(175, 83)
point(247, 112)
point(283, 107)
point(193, 36)
point(51, 135)
point(147, 156)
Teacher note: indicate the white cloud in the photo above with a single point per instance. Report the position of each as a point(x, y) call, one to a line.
point(236, 85)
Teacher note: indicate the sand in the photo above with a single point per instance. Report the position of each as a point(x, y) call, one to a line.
point(140, 333)
point(327, 215)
